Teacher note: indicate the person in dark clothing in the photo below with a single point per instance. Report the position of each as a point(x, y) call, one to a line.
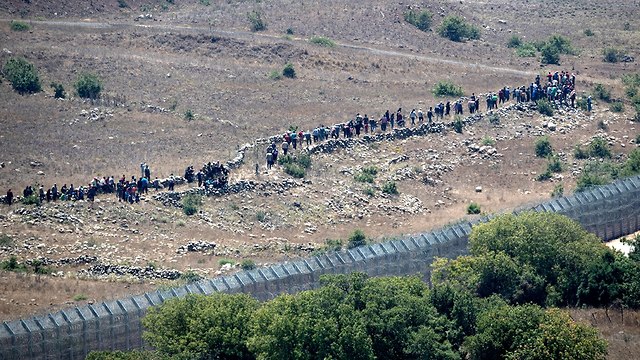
point(9, 198)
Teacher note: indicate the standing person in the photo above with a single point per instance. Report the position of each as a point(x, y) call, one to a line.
point(392, 120)
point(285, 147)
point(269, 159)
point(54, 192)
point(172, 182)
point(142, 166)
point(589, 103)
point(420, 116)
point(413, 116)
point(430, 115)
point(147, 172)
point(447, 108)
point(9, 198)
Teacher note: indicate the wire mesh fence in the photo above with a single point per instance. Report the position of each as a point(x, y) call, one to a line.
point(609, 211)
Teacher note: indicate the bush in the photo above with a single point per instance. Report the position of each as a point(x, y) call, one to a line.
point(588, 32)
point(560, 44)
point(554, 165)
point(357, 238)
point(261, 215)
point(550, 55)
point(23, 75)
point(191, 204)
point(494, 119)
point(88, 86)
point(19, 26)
point(456, 29)
point(543, 147)
point(322, 41)
point(294, 170)
point(255, 18)
point(558, 191)
point(599, 148)
point(612, 55)
point(579, 153)
point(276, 75)
point(473, 209)
point(31, 200)
point(122, 4)
point(596, 173)
point(289, 71)
point(458, 125)
point(248, 264)
point(364, 177)
point(488, 141)
point(581, 103)
point(289, 31)
point(58, 90)
point(545, 108)
point(544, 176)
point(602, 93)
point(526, 50)
point(514, 42)
point(189, 115)
point(447, 88)
point(421, 20)
point(12, 264)
point(616, 107)
point(369, 191)
point(390, 188)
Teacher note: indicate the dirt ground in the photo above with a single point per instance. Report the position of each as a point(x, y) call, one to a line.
point(205, 59)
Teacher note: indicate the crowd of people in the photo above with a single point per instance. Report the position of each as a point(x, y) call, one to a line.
point(557, 88)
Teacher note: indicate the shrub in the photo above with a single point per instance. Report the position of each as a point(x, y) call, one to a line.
point(560, 44)
point(458, 125)
point(558, 191)
point(261, 215)
point(369, 191)
point(494, 119)
point(372, 170)
point(390, 188)
point(294, 170)
point(205, 2)
point(526, 50)
point(322, 41)
point(447, 88)
point(88, 86)
point(190, 276)
point(544, 176)
point(514, 42)
point(473, 209)
point(545, 108)
point(550, 55)
point(599, 148)
point(12, 264)
point(223, 262)
point(303, 160)
point(616, 107)
point(602, 93)
point(588, 32)
point(23, 75)
point(191, 204)
point(289, 31)
point(289, 71)
point(421, 20)
point(80, 297)
point(275, 75)
point(248, 264)
point(357, 238)
point(58, 90)
point(6, 241)
point(456, 29)
point(19, 26)
point(364, 177)
point(579, 153)
point(122, 4)
point(612, 55)
point(596, 173)
point(31, 200)
point(189, 115)
point(581, 103)
point(554, 165)
point(543, 147)
point(488, 141)
point(255, 18)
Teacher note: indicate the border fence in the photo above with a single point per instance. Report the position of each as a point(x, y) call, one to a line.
point(609, 211)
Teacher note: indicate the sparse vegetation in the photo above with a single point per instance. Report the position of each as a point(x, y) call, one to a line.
point(514, 42)
point(447, 88)
point(367, 174)
point(22, 74)
point(421, 20)
point(357, 238)
point(458, 125)
point(256, 21)
point(19, 26)
point(543, 147)
point(616, 107)
point(248, 264)
point(289, 71)
point(190, 276)
point(12, 264)
point(488, 141)
point(545, 107)
point(550, 55)
point(558, 191)
point(390, 188)
point(322, 41)
point(191, 204)
point(494, 118)
point(223, 262)
point(88, 86)
point(188, 115)
point(602, 93)
point(261, 215)
point(612, 55)
point(588, 32)
point(31, 200)
point(295, 166)
point(369, 191)
point(473, 209)
point(122, 4)
point(80, 297)
point(6, 241)
point(58, 90)
point(599, 148)
point(455, 28)
point(526, 50)
point(555, 164)
point(276, 75)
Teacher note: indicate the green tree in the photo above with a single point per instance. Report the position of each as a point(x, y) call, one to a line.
point(357, 238)
point(23, 75)
point(543, 147)
point(202, 327)
point(550, 54)
point(455, 28)
point(421, 20)
point(88, 86)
